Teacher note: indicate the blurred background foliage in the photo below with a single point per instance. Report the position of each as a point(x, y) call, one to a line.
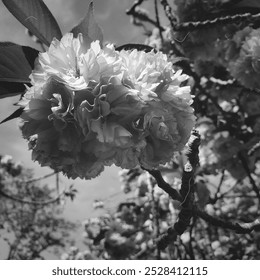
point(30, 224)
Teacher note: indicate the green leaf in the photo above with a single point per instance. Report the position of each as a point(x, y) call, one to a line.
point(35, 16)
point(15, 114)
point(16, 64)
point(89, 27)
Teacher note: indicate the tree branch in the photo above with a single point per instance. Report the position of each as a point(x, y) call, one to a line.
point(248, 172)
point(186, 192)
point(174, 194)
point(169, 14)
point(189, 26)
point(240, 228)
point(142, 16)
point(33, 202)
point(135, 4)
point(158, 19)
point(38, 179)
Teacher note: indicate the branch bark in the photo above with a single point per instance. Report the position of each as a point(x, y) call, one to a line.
point(240, 228)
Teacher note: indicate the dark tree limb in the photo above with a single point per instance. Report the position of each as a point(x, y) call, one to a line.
point(174, 194)
point(186, 192)
point(241, 228)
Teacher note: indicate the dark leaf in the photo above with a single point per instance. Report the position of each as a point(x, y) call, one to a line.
point(16, 63)
point(179, 60)
point(89, 27)
point(35, 16)
point(8, 89)
point(30, 54)
point(14, 115)
point(139, 47)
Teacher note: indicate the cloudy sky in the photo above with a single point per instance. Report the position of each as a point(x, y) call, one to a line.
point(110, 14)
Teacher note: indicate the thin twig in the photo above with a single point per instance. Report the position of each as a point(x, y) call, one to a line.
point(135, 4)
point(142, 16)
point(33, 202)
point(217, 196)
point(38, 179)
point(255, 148)
point(241, 195)
point(189, 26)
point(230, 189)
point(248, 172)
point(58, 185)
point(158, 19)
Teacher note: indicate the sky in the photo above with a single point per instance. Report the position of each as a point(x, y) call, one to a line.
point(110, 14)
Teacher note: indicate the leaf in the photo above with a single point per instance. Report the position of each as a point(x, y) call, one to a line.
point(11, 89)
point(89, 27)
point(139, 47)
point(16, 63)
point(15, 114)
point(35, 16)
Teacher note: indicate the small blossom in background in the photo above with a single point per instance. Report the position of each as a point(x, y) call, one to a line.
point(246, 67)
point(91, 107)
point(156, 42)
